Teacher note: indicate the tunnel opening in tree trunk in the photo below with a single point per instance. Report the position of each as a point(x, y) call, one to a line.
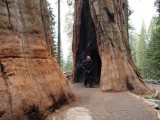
point(88, 45)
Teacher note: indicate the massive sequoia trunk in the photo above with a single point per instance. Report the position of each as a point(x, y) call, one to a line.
point(100, 31)
point(31, 83)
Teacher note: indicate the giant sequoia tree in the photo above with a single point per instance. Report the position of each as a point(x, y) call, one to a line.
point(31, 82)
point(100, 31)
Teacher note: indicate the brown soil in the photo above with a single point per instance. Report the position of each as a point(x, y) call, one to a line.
point(110, 106)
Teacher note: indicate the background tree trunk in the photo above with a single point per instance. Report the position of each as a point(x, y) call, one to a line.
point(31, 82)
point(100, 31)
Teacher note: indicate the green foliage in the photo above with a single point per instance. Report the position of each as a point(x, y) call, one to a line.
point(153, 52)
point(157, 5)
point(133, 44)
point(147, 48)
point(128, 13)
point(130, 30)
point(151, 28)
point(141, 49)
point(52, 27)
point(68, 63)
point(149, 97)
point(56, 44)
point(67, 67)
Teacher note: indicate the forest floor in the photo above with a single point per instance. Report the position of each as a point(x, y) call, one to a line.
point(92, 104)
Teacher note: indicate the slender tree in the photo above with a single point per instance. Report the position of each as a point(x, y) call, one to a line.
point(141, 49)
point(130, 30)
point(151, 28)
point(59, 33)
point(150, 33)
point(52, 27)
point(61, 57)
point(59, 51)
point(128, 13)
point(153, 51)
point(69, 30)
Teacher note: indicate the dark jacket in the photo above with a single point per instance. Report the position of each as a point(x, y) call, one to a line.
point(87, 66)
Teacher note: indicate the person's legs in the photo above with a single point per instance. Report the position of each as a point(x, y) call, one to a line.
point(86, 80)
point(90, 83)
point(90, 80)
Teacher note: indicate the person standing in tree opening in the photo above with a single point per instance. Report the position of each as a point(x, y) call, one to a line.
point(87, 65)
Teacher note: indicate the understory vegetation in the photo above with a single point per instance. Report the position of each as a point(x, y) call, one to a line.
point(145, 47)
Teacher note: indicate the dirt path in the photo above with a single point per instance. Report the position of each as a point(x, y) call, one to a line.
point(106, 106)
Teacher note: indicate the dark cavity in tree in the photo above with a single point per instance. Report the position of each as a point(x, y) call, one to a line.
point(88, 45)
point(33, 113)
point(57, 103)
point(2, 112)
point(129, 85)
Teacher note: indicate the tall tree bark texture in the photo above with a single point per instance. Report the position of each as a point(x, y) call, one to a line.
point(31, 83)
point(100, 31)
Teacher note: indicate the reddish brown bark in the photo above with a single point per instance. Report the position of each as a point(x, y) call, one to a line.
point(118, 72)
point(31, 83)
